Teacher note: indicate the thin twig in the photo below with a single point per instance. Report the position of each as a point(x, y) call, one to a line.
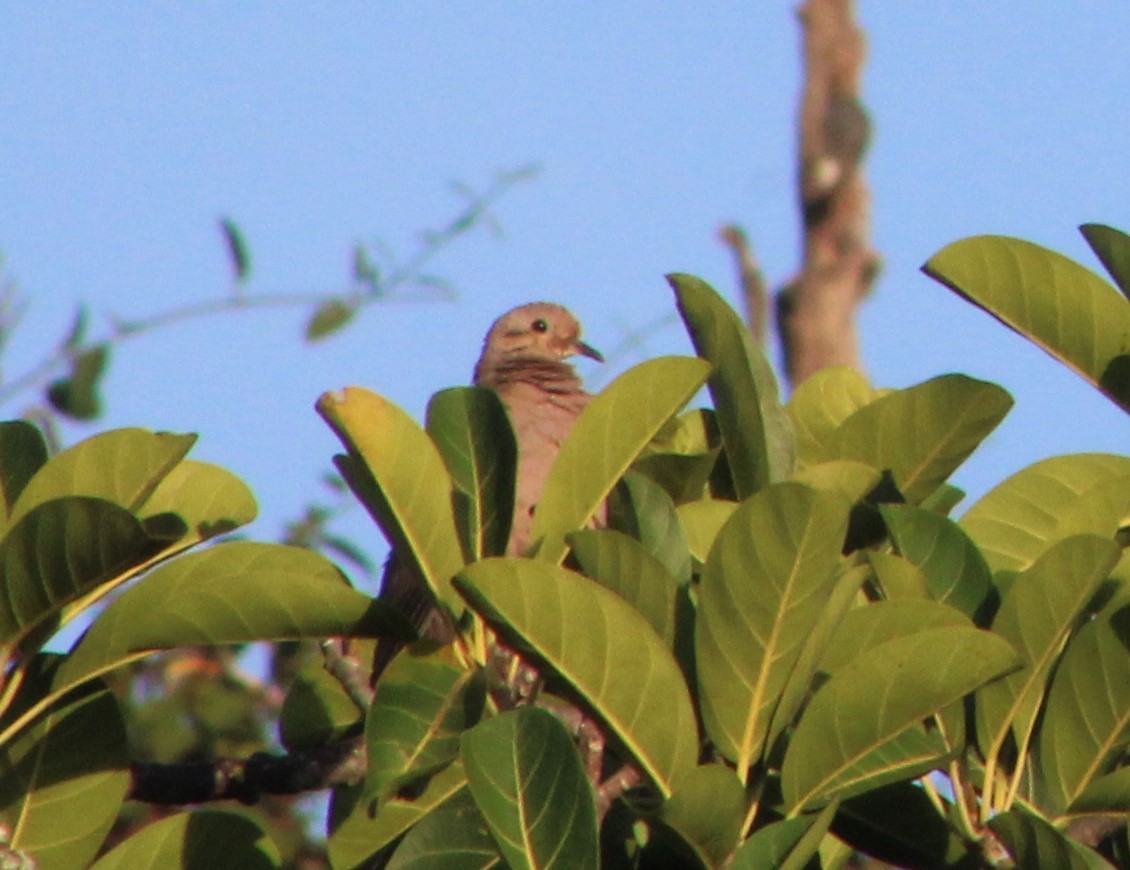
point(750, 278)
point(347, 670)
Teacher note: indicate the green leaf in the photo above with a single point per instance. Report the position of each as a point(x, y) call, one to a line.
point(956, 571)
point(898, 578)
point(214, 839)
point(1086, 721)
point(1107, 794)
point(702, 520)
point(316, 710)
point(63, 781)
point(643, 509)
point(1112, 247)
point(820, 405)
point(470, 427)
point(455, 836)
point(1035, 843)
point(528, 781)
point(923, 433)
point(861, 729)
point(398, 474)
point(707, 811)
point(210, 500)
point(61, 550)
point(425, 702)
point(1060, 306)
point(356, 835)
point(234, 592)
point(237, 249)
point(331, 316)
point(756, 432)
point(852, 480)
point(22, 453)
point(124, 466)
point(763, 587)
point(624, 566)
point(1035, 617)
point(76, 395)
point(789, 844)
point(1016, 521)
point(608, 436)
point(602, 647)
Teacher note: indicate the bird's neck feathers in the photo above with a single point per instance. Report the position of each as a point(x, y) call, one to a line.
point(553, 376)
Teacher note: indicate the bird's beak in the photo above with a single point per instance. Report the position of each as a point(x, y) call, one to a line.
point(585, 350)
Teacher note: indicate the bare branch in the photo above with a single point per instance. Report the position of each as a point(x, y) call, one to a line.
point(750, 278)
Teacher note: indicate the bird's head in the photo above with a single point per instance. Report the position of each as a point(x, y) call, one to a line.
point(537, 332)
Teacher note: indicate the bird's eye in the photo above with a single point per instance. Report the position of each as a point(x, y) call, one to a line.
point(539, 325)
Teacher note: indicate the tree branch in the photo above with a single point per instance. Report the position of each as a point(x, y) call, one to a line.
point(750, 278)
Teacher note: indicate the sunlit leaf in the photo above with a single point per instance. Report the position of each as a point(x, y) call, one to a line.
point(602, 647)
point(755, 430)
point(1059, 305)
point(209, 499)
point(608, 436)
point(527, 780)
point(702, 520)
point(214, 839)
point(820, 405)
point(1083, 493)
point(898, 578)
point(852, 480)
point(861, 729)
point(472, 431)
point(763, 587)
point(398, 474)
point(707, 810)
point(923, 433)
point(1112, 247)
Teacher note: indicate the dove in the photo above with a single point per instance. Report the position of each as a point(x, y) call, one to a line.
point(524, 361)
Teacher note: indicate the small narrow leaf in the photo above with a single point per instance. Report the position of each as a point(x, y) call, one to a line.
point(602, 647)
point(331, 316)
point(607, 437)
point(237, 249)
point(76, 395)
point(1112, 247)
point(755, 430)
point(214, 839)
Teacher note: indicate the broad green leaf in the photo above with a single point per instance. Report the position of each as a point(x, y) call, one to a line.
point(528, 781)
point(898, 578)
point(1034, 842)
point(755, 430)
point(470, 428)
point(123, 466)
point(210, 500)
point(316, 710)
point(707, 812)
point(943, 499)
point(1107, 794)
point(355, 835)
point(1035, 617)
point(923, 433)
point(22, 453)
point(1112, 247)
point(624, 566)
point(956, 571)
point(602, 647)
point(234, 592)
point(1059, 305)
point(331, 316)
point(63, 781)
point(424, 703)
point(789, 844)
point(455, 837)
point(1065, 495)
point(702, 520)
point(1087, 718)
point(763, 587)
point(820, 405)
point(852, 480)
point(683, 476)
point(861, 729)
point(214, 839)
point(608, 436)
point(642, 508)
point(61, 550)
point(407, 488)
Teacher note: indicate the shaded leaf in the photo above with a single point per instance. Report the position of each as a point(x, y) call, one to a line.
point(820, 405)
point(331, 316)
point(316, 710)
point(528, 781)
point(1047, 501)
point(62, 782)
point(861, 729)
point(76, 395)
point(602, 647)
point(1107, 794)
point(472, 431)
point(785, 845)
point(22, 453)
point(756, 432)
point(646, 512)
point(1059, 305)
point(684, 476)
point(237, 249)
point(214, 839)
point(763, 587)
point(707, 811)
point(1112, 247)
point(455, 836)
point(608, 436)
point(397, 473)
point(923, 433)
point(1035, 843)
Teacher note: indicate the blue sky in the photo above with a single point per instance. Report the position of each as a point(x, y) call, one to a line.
point(130, 128)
